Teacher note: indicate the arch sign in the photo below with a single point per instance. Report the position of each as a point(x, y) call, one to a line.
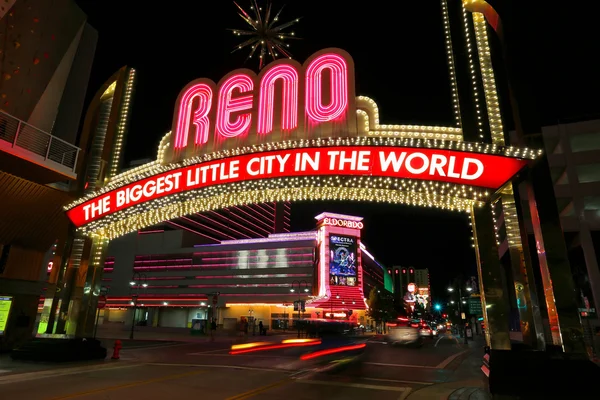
point(294, 132)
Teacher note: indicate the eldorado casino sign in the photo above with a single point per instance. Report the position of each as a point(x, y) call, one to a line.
point(294, 132)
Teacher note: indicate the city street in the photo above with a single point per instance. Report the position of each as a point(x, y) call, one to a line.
point(208, 370)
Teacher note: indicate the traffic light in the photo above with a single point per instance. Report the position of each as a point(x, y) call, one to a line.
point(437, 307)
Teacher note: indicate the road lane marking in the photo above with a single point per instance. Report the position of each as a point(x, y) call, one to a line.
point(445, 337)
point(448, 360)
point(217, 366)
point(29, 376)
point(252, 355)
point(354, 385)
point(128, 385)
point(405, 394)
point(401, 365)
point(254, 392)
point(399, 381)
point(207, 352)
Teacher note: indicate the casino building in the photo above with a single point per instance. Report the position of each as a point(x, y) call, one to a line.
point(170, 282)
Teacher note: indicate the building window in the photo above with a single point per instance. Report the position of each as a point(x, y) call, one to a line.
point(588, 173)
point(585, 142)
point(592, 203)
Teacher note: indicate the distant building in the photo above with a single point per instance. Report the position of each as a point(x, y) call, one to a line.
point(258, 278)
point(422, 278)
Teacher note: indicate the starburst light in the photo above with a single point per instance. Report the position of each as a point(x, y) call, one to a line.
point(264, 34)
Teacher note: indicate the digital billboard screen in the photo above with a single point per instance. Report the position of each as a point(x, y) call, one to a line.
point(343, 261)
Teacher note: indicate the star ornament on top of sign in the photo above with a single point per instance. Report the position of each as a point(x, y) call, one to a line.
point(264, 35)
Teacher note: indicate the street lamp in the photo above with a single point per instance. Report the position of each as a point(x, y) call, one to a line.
point(460, 311)
point(137, 281)
point(302, 286)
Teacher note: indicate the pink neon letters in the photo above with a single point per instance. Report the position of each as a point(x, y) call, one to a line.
point(338, 93)
point(235, 105)
point(228, 105)
point(203, 93)
point(289, 105)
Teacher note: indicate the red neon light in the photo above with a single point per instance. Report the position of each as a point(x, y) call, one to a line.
point(325, 352)
point(476, 169)
point(201, 94)
point(316, 111)
point(274, 347)
point(228, 105)
point(289, 105)
point(232, 114)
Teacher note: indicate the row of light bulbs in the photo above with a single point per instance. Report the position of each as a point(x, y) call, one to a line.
point(122, 125)
point(281, 189)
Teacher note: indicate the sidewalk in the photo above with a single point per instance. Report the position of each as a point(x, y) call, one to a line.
point(466, 383)
point(9, 367)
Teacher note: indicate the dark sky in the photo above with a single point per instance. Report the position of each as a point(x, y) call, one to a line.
point(399, 55)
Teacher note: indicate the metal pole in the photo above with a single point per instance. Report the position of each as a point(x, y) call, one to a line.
point(464, 321)
point(97, 318)
point(133, 317)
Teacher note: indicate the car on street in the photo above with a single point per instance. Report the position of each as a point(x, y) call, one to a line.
point(404, 335)
point(426, 331)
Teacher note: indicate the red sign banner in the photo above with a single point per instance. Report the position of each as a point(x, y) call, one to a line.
point(465, 168)
point(101, 302)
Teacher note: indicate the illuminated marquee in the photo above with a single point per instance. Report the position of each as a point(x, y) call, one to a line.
point(483, 170)
point(293, 132)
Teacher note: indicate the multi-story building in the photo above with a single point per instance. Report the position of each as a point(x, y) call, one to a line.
point(422, 278)
point(573, 150)
point(403, 277)
point(170, 281)
point(47, 54)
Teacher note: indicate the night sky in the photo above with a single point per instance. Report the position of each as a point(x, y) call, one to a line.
point(398, 52)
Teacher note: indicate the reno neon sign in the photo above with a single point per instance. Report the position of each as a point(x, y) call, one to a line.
point(285, 98)
point(293, 132)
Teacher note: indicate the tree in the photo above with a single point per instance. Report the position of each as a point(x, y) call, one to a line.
point(381, 306)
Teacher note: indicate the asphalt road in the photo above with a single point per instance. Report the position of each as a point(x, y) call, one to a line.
point(208, 371)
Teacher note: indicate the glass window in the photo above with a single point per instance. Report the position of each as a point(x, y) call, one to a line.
point(591, 202)
point(588, 173)
point(585, 142)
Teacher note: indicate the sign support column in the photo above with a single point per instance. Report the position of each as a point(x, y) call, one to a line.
point(92, 286)
point(494, 300)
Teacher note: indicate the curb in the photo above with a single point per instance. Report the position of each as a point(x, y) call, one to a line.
point(49, 373)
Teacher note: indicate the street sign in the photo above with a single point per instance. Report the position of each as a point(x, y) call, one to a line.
point(475, 306)
point(101, 302)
